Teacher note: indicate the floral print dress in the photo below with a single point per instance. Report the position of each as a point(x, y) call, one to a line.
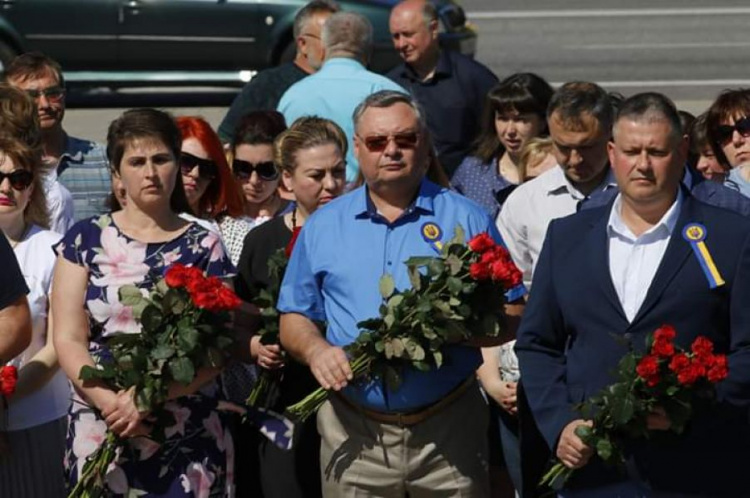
point(197, 459)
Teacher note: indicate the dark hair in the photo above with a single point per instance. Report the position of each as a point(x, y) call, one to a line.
point(309, 10)
point(136, 124)
point(651, 106)
point(258, 128)
point(30, 65)
point(524, 93)
point(729, 104)
point(18, 116)
point(572, 101)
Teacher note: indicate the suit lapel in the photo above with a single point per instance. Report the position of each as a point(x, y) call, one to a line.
point(674, 258)
point(598, 255)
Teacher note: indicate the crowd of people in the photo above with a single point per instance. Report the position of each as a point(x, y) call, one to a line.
point(592, 194)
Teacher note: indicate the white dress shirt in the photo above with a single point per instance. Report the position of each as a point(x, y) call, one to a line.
point(528, 211)
point(59, 203)
point(633, 260)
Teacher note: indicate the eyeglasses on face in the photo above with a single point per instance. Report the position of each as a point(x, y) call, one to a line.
point(725, 132)
point(378, 143)
point(20, 179)
point(53, 93)
point(244, 170)
point(206, 168)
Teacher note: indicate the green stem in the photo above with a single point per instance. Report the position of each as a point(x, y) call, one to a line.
point(92, 480)
point(557, 476)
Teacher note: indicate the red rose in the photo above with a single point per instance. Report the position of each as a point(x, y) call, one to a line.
point(479, 271)
point(176, 275)
point(8, 378)
point(679, 362)
point(665, 333)
point(487, 258)
point(290, 246)
point(506, 272)
point(702, 347)
point(719, 368)
point(662, 348)
point(653, 380)
point(228, 300)
point(481, 242)
point(647, 367)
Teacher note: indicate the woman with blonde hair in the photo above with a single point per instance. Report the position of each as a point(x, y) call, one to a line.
point(37, 409)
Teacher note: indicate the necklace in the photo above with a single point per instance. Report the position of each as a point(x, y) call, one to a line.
point(14, 243)
point(294, 218)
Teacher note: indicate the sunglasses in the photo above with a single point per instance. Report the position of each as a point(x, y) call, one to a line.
point(53, 94)
point(206, 167)
point(725, 132)
point(378, 143)
point(20, 179)
point(244, 170)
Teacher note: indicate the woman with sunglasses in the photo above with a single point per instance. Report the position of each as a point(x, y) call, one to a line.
point(311, 155)
point(134, 246)
point(515, 112)
point(728, 126)
point(253, 166)
point(211, 190)
point(36, 417)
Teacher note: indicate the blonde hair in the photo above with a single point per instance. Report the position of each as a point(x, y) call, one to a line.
point(534, 152)
point(306, 132)
point(29, 159)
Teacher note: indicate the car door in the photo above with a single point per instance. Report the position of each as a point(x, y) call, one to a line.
point(79, 34)
point(190, 34)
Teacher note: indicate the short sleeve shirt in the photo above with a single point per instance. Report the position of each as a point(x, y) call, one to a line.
point(342, 252)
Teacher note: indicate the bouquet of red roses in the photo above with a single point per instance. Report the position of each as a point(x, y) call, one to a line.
point(183, 329)
point(455, 296)
point(665, 377)
point(8, 379)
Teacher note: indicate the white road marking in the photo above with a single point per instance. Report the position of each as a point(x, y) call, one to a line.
point(551, 14)
point(669, 83)
point(658, 46)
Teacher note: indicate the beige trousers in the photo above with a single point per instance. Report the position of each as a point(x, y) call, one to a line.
point(443, 456)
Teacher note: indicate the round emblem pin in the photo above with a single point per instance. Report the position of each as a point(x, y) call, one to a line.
point(431, 232)
point(694, 232)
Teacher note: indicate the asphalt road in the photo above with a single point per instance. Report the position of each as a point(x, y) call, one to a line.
point(688, 49)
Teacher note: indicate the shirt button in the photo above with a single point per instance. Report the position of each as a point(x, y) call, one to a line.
point(390, 263)
point(628, 335)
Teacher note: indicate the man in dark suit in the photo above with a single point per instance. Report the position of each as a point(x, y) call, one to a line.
point(624, 270)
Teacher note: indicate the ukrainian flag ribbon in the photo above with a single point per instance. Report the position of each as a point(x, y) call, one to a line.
point(695, 234)
point(431, 233)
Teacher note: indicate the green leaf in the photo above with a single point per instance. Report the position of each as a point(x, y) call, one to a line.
point(623, 409)
point(454, 264)
point(182, 370)
point(395, 300)
point(417, 261)
point(604, 449)
point(436, 266)
point(438, 357)
point(162, 352)
point(173, 302)
point(584, 432)
point(388, 349)
point(389, 320)
point(130, 295)
point(151, 318)
point(379, 346)
point(455, 285)
point(387, 286)
point(415, 278)
point(162, 287)
point(188, 338)
point(398, 347)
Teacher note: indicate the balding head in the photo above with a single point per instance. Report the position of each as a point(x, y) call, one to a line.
point(414, 29)
point(348, 35)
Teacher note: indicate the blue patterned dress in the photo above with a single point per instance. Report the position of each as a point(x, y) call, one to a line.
point(197, 459)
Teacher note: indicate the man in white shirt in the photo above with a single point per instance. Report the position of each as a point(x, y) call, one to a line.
point(580, 123)
point(613, 275)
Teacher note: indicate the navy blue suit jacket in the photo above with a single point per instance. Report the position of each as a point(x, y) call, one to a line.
point(567, 351)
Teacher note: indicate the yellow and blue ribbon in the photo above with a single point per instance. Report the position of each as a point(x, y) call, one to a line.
point(695, 234)
point(431, 233)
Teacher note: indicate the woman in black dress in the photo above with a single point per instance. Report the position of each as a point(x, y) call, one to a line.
point(311, 155)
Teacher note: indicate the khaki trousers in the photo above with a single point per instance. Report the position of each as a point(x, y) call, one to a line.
point(442, 456)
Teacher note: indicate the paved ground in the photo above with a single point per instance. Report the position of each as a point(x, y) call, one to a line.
point(688, 49)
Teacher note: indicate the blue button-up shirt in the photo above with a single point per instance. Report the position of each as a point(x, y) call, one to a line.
point(333, 93)
point(344, 249)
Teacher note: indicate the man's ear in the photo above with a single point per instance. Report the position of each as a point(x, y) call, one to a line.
point(434, 26)
point(356, 145)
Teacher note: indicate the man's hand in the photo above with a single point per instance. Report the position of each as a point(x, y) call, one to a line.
point(330, 366)
point(658, 420)
point(571, 451)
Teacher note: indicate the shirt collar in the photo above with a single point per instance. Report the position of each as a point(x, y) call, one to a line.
point(443, 68)
point(423, 202)
point(74, 149)
point(665, 226)
point(557, 183)
point(342, 61)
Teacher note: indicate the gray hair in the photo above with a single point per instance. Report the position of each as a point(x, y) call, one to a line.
point(308, 11)
point(429, 12)
point(347, 34)
point(576, 99)
point(384, 99)
point(650, 107)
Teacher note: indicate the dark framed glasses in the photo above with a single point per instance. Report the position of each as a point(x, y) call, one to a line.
point(53, 93)
point(378, 143)
point(244, 170)
point(724, 132)
point(206, 167)
point(20, 179)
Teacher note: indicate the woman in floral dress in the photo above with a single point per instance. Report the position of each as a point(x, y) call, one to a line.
point(135, 246)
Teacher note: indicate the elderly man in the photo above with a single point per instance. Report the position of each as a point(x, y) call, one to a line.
point(449, 86)
point(264, 91)
point(626, 269)
point(79, 165)
point(342, 82)
point(429, 436)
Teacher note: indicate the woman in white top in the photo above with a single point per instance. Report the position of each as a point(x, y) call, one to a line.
point(37, 410)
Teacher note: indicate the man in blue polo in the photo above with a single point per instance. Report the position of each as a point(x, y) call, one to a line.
point(430, 434)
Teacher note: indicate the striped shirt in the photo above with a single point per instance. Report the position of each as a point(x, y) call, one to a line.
point(83, 170)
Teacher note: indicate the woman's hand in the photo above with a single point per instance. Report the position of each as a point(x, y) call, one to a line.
point(122, 415)
point(268, 356)
point(504, 393)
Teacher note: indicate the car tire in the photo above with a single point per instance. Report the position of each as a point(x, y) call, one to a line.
point(7, 54)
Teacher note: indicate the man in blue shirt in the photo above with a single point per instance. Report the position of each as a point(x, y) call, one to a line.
point(342, 82)
point(429, 434)
point(449, 86)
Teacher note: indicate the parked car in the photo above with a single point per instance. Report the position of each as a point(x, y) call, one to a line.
point(185, 40)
